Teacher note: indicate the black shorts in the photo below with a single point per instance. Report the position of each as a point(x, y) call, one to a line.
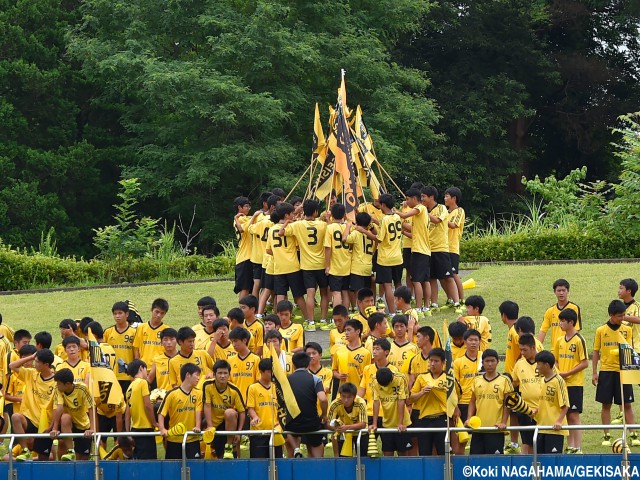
point(550, 443)
point(124, 385)
point(454, 258)
point(440, 265)
point(311, 440)
point(268, 281)
point(243, 276)
point(575, 399)
point(358, 282)
point(487, 444)
point(219, 441)
point(288, 281)
point(314, 279)
point(40, 445)
point(145, 446)
point(257, 271)
point(8, 409)
point(406, 258)
point(396, 441)
point(526, 435)
point(386, 274)
point(420, 267)
point(173, 450)
point(81, 445)
point(428, 440)
point(374, 262)
point(259, 447)
point(338, 283)
point(464, 411)
point(106, 424)
point(608, 389)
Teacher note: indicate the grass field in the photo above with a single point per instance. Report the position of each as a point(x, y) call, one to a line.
point(593, 286)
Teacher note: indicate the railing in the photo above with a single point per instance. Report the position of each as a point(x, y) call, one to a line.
point(360, 469)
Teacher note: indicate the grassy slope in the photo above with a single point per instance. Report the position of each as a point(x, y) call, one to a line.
point(592, 287)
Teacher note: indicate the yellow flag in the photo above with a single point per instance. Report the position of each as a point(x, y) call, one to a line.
point(286, 399)
point(319, 143)
point(629, 364)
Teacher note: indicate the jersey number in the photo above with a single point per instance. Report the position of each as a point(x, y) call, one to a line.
point(395, 230)
point(367, 245)
point(337, 236)
point(313, 235)
point(278, 241)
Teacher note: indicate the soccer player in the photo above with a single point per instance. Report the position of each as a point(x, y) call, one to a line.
point(455, 222)
point(124, 449)
point(475, 320)
point(348, 362)
point(626, 292)
point(378, 326)
point(390, 395)
point(362, 250)
point(456, 332)
point(243, 366)
point(527, 378)
point(14, 387)
point(235, 316)
point(139, 416)
point(249, 306)
point(308, 391)
point(67, 328)
point(275, 338)
point(487, 402)
point(552, 405)
point(293, 332)
point(551, 321)
point(120, 336)
point(340, 315)
point(389, 261)
point(262, 408)
point(286, 266)
point(80, 368)
point(466, 368)
point(187, 354)
point(429, 398)
point(314, 350)
point(202, 324)
point(419, 363)
point(402, 296)
point(309, 234)
point(337, 255)
point(159, 373)
point(346, 413)
point(37, 398)
point(380, 359)
point(420, 247)
point(74, 413)
point(183, 405)
point(219, 346)
point(572, 359)
point(365, 298)
point(509, 315)
point(439, 240)
point(204, 330)
point(267, 282)
point(244, 269)
point(257, 250)
point(43, 341)
point(402, 349)
point(146, 342)
point(607, 379)
point(223, 408)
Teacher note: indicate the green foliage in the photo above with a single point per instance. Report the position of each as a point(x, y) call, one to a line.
point(48, 244)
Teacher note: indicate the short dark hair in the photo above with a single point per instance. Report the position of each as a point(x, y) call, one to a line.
point(470, 333)
point(340, 310)
point(363, 219)
point(160, 303)
point(272, 201)
point(134, 366)
point(249, 301)
point(630, 284)
point(278, 192)
point(310, 206)
point(96, 329)
point(437, 352)
point(454, 192)
point(272, 317)
point(236, 314)
point(428, 332)
point(413, 192)
point(386, 199)
point(365, 293)
point(221, 364)
point(338, 211)
point(569, 315)
point(404, 293)
point(264, 196)
point(355, 324)
point(525, 325)
point(240, 333)
point(67, 324)
point(283, 306)
point(384, 376)
point(45, 356)
point(213, 307)
point(219, 323)
point(383, 343)
point(348, 388)
point(284, 208)
point(528, 340)
point(457, 329)
point(188, 368)
point(122, 306)
point(241, 201)
point(399, 318)
point(300, 360)
point(617, 306)
point(430, 191)
point(64, 375)
point(206, 301)
point(21, 334)
point(266, 364)
point(84, 323)
point(44, 338)
point(72, 339)
point(314, 346)
point(509, 309)
point(168, 332)
point(561, 282)
point(476, 301)
point(185, 333)
point(375, 319)
point(27, 350)
point(546, 356)
point(273, 334)
point(490, 353)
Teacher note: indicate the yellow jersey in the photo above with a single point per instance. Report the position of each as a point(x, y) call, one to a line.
point(80, 370)
point(326, 375)
point(294, 334)
point(110, 410)
point(569, 353)
point(244, 372)
point(122, 343)
point(465, 371)
point(309, 235)
point(221, 400)
point(355, 361)
point(482, 325)
point(366, 383)
point(400, 354)
point(38, 394)
point(390, 241)
point(284, 251)
point(257, 252)
point(256, 329)
point(357, 413)
point(340, 264)
point(161, 363)
point(388, 397)
point(490, 395)
point(513, 349)
point(202, 336)
point(336, 340)
point(406, 241)
point(243, 238)
point(633, 310)
point(263, 401)
point(182, 407)
point(197, 357)
point(551, 321)
point(553, 396)
point(528, 380)
point(263, 227)
point(420, 224)
point(435, 402)
point(147, 341)
point(438, 232)
point(457, 217)
point(222, 353)
point(109, 355)
point(362, 249)
point(76, 404)
point(606, 342)
point(135, 394)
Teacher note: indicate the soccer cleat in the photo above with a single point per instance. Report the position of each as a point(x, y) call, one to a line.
point(327, 326)
point(570, 450)
point(70, 456)
point(426, 312)
point(380, 304)
point(512, 448)
point(606, 440)
point(24, 456)
point(228, 451)
point(577, 451)
point(310, 326)
point(3, 449)
point(297, 453)
point(635, 441)
point(323, 321)
point(618, 419)
point(244, 443)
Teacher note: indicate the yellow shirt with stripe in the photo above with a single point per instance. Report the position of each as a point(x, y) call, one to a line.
point(222, 353)
point(389, 396)
point(162, 371)
point(553, 396)
point(433, 403)
point(336, 339)
point(284, 251)
point(294, 334)
point(400, 354)
point(438, 232)
point(513, 349)
point(633, 310)
point(264, 227)
point(257, 250)
point(263, 400)
point(256, 329)
point(417, 365)
point(569, 354)
point(457, 217)
point(390, 238)
point(465, 371)
point(76, 404)
point(182, 407)
point(362, 249)
point(482, 325)
point(135, 394)
point(198, 357)
point(80, 370)
point(202, 336)
point(371, 210)
point(490, 395)
point(221, 400)
point(147, 341)
point(528, 380)
point(457, 351)
point(122, 343)
point(551, 321)
point(358, 413)
point(340, 263)
point(326, 375)
point(244, 239)
point(357, 359)
point(244, 371)
point(38, 394)
point(309, 235)
point(15, 387)
point(366, 383)
point(406, 241)
point(606, 342)
point(420, 224)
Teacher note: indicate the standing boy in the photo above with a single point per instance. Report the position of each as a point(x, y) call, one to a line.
point(337, 255)
point(120, 336)
point(551, 317)
point(389, 261)
point(552, 405)
point(390, 394)
point(139, 416)
point(262, 408)
point(147, 343)
point(455, 222)
point(475, 320)
point(244, 268)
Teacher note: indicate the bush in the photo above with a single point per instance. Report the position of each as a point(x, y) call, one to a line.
point(548, 244)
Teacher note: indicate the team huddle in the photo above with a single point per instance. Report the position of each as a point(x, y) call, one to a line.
point(389, 366)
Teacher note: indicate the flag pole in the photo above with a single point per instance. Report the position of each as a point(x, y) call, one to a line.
point(298, 182)
point(625, 456)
